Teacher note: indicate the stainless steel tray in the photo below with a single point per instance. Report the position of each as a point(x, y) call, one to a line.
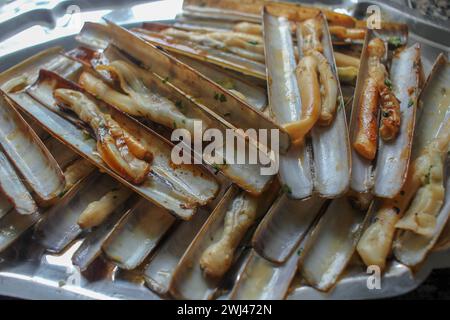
point(26, 271)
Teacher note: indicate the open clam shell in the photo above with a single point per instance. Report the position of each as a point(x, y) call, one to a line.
point(385, 176)
point(248, 176)
point(189, 280)
point(331, 244)
point(168, 190)
point(159, 272)
point(91, 248)
point(14, 190)
point(231, 109)
point(284, 226)
point(29, 156)
point(329, 173)
point(137, 235)
point(434, 112)
point(59, 227)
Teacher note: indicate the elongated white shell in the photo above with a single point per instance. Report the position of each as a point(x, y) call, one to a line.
point(15, 191)
point(330, 144)
point(331, 244)
point(5, 206)
point(434, 108)
point(158, 274)
point(393, 156)
point(59, 227)
point(137, 234)
point(28, 154)
point(13, 225)
point(284, 226)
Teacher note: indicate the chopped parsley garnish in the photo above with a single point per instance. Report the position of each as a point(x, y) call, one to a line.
point(286, 189)
point(388, 83)
point(410, 103)
point(179, 104)
point(165, 80)
point(220, 97)
point(395, 41)
point(253, 43)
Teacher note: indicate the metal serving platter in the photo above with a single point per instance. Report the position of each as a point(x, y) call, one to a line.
point(26, 271)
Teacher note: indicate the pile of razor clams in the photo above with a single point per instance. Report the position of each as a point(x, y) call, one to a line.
point(363, 142)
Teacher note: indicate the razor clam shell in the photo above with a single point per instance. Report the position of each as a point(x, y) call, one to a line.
point(284, 96)
point(5, 205)
point(393, 156)
point(330, 144)
point(247, 176)
point(284, 226)
point(156, 189)
point(188, 281)
point(254, 95)
point(331, 244)
point(94, 35)
point(434, 111)
point(411, 248)
point(62, 154)
point(159, 272)
point(200, 52)
point(137, 235)
point(59, 227)
point(15, 191)
point(263, 280)
point(13, 225)
point(29, 155)
point(236, 111)
point(92, 244)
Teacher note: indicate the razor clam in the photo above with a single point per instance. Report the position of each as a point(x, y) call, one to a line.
point(331, 244)
point(23, 147)
point(411, 248)
point(246, 176)
point(159, 272)
point(156, 189)
point(284, 226)
point(137, 235)
point(228, 60)
point(92, 244)
point(12, 187)
point(238, 113)
point(250, 10)
point(330, 143)
point(392, 157)
point(59, 227)
point(189, 280)
point(254, 95)
point(263, 280)
point(13, 225)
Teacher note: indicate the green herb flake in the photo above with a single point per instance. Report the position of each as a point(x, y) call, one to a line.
point(216, 96)
point(286, 189)
point(165, 80)
point(179, 104)
point(410, 103)
point(300, 251)
point(395, 41)
point(388, 83)
point(253, 43)
point(227, 114)
point(222, 98)
point(174, 125)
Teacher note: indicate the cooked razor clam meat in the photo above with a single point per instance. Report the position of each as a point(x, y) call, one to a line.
point(367, 133)
point(217, 258)
point(247, 27)
point(347, 33)
point(309, 87)
point(390, 114)
point(242, 44)
point(328, 88)
point(120, 151)
point(138, 100)
point(344, 60)
point(77, 170)
point(97, 211)
point(312, 34)
point(375, 244)
point(421, 215)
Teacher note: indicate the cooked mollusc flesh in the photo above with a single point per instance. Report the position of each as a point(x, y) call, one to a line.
point(218, 257)
point(118, 148)
point(138, 101)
